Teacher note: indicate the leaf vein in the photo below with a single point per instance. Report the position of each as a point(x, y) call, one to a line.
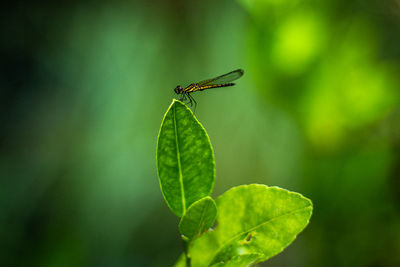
point(255, 227)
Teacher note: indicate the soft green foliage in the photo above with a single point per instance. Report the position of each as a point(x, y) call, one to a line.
point(198, 218)
point(254, 222)
point(185, 159)
point(252, 219)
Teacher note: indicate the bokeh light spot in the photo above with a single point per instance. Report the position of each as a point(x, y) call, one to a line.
point(298, 40)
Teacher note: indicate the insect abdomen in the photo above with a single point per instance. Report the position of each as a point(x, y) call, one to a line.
point(215, 86)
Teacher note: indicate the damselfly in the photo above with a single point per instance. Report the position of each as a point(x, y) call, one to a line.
point(220, 81)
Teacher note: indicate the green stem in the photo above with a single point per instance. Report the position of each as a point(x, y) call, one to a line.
point(186, 243)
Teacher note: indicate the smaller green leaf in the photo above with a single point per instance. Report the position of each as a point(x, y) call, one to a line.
point(198, 218)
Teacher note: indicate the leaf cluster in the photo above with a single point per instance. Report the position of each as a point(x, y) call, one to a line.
point(253, 222)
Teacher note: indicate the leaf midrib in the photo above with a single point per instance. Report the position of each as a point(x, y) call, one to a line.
point(178, 155)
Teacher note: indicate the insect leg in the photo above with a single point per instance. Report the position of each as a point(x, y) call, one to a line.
point(183, 98)
point(190, 99)
point(195, 104)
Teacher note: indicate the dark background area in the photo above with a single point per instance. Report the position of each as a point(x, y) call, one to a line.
point(84, 86)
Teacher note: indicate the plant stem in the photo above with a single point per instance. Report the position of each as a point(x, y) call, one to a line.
point(186, 243)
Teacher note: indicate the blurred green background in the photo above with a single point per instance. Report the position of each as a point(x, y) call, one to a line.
point(84, 87)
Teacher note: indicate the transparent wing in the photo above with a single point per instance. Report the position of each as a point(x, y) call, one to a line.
point(226, 78)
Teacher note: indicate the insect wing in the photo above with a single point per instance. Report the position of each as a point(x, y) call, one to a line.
point(223, 79)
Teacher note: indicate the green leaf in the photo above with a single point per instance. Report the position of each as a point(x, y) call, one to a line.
point(198, 218)
point(239, 261)
point(252, 219)
point(185, 159)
